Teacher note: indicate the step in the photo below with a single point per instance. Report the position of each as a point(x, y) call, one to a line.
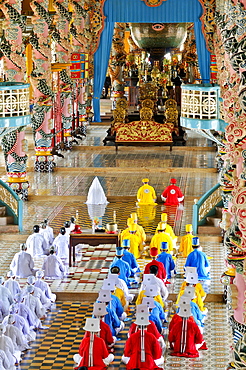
point(6, 229)
point(213, 221)
point(6, 220)
point(211, 230)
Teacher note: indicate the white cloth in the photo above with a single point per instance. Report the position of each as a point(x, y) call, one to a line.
point(38, 293)
point(36, 245)
point(7, 346)
point(13, 286)
point(22, 265)
point(4, 362)
point(34, 304)
point(53, 267)
point(96, 193)
point(18, 339)
point(46, 289)
point(6, 298)
point(46, 235)
point(32, 320)
point(61, 243)
point(50, 230)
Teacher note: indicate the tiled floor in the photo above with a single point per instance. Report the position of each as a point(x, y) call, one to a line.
point(120, 175)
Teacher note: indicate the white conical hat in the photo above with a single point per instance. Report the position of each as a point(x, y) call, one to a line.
point(190, 269)
point(108, 284)
point(150, 302)
point(99, 309)
point(92, 325)
point(189, 292)
point(184, 310)
point(96, 193)
point(142, 308)
point(149, 279)
point(104, 296)
point(192, 278)
point(184, 300)
point(151, 290)
point(142, 319)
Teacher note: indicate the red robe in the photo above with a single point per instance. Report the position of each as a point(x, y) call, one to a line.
point(184, 335)
point(105, 333)
point(151, 328)
point(161, 274)
point(172, 193)
point(99, 353)
point(133, 350)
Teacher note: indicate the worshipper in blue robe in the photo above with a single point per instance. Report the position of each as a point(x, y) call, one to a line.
point(198, 259)
point(189, 293)
point(166, 259)
point(125, 270)
point(115, 303)
point(129, 257)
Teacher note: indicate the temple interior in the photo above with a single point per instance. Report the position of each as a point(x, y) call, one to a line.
point(121, 91)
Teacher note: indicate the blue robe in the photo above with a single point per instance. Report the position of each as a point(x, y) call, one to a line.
point(112, 320)
point(125, 270)
point(156, 320)
point(196, 313)
point(199, 260)
point(167, 261)
point(116, 305)
point(131, 260)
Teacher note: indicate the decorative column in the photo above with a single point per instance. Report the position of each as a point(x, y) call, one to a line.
point(41, 80)
point(15, 114)
point(117, 61)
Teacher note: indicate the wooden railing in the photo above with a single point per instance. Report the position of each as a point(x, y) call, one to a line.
point(13, 204)
point(206, 207)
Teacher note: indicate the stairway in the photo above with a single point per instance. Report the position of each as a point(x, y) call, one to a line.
point(7, 222)
point(211, 227)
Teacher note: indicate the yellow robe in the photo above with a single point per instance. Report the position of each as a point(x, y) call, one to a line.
point(146, 195)
point(120, 294)
point(186, 245)
point(198, 288)
point(141, 231)
point(161, 237)
point(169, 230)
point(125, 235)
point(198, 299)
point(142, 294)
point(135, 244)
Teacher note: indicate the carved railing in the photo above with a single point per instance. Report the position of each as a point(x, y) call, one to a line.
point(206, 207)
point(13, 204)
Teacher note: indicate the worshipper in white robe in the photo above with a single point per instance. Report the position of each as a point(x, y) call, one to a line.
point(7, 346)
point(19, 340)
point(36, 244)
point(61, 243)
point(38, 293)
point(24, 311)
point(12, 284)
point(21, 323)
point(22, 264)
point(5, 296)
point(33, 303)
point(96, 193)
point(40, 283)
point(46, 234)
point(4, 362)
point(53, 266)
point(72, 224)
point(50, 230)
point(120, 283)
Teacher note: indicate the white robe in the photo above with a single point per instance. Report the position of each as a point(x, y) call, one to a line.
point(61, 243)
point(46, 234)
point(13, 286)
point(32, 320)
point(4, 362)
point(22, 324)
point(34, 304)
point(22, 265)
point(18, 339)
point(46, 289)
point(7, 346)
point(6, 298)
point(53, 267)
point(36, 245)
point(38, 293)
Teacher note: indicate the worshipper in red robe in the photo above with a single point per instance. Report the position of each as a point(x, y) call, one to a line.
point(93, 352)
point(161, 274)
point(185, 334)
point(172, 195)
point(142, 350)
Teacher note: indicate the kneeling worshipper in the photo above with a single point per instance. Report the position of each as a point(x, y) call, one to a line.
point(140, 228)
point(129, 257)
point(172, 194)
point(4, 362)
point(115, 324)
point(115, 303)
point(154, 314)
point(185, 336)
point(21, 323)
point(99, 312)
point(125, 270)
point(61, 244)
point(198, 259)
point(93, 353)
point(116, 291)
point(185, 247)
point(168, 229)
point(142, 349)
point(18, 338)
point(134, 239)
point(36, 244)
point(167, 260)
point(152, 291)
point(161, 272)
point(41, 284)
point(151, 328)
point(53, 266)
point(191, 279)
point(120, 283)
point(146, 194)
point(151, 278)
point(22, 264)
point(12, 285)
point(161, 236)
point(24, 311)
point(5, 296)
point(7, 346)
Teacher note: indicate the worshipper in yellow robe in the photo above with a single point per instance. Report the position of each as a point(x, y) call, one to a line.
point(169, 229)
point(160, 237)
point(125, 233)
point(185, 247)
point(135, 241)
point(147, 292)
point(140, 228)
point(146, 194)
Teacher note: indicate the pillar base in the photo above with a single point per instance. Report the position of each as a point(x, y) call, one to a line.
point(20, 188)
point(44, 166)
